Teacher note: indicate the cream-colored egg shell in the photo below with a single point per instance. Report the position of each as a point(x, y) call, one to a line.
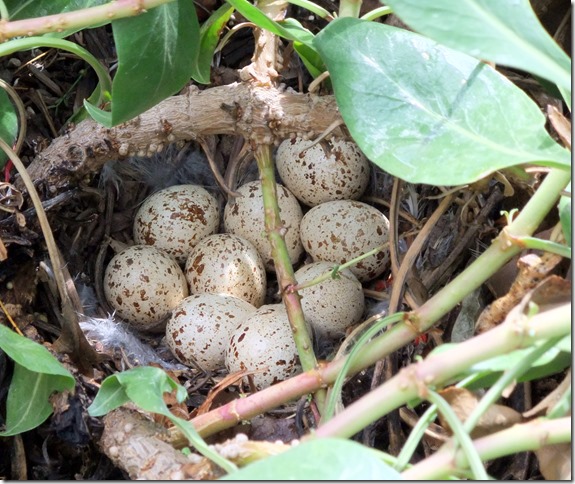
point(200, 328)
point(331, 170)
point(342, 230)
point(143, 284)
point(332, 305)
point(264, 342)
point(244, 216)
point(176, 218)
point(230, 264)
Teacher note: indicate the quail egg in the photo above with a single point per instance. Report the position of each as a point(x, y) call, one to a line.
point(330, 170)
point(342, 230)
point(263, 343)
point(143, 284)
point(332, 305)
point(244, 216)
point(200, 328)
point(227, 263)
point(176, 218)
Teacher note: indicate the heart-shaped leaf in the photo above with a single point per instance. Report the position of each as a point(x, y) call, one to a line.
point(429, 114)
point(503, 31)
point(321, 459)
point(156, 57)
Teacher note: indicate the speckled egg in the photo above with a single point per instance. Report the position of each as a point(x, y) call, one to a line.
point(332, 305)
point(330, 170)
point(200, 328)
point(143, 284)
point(342, 230)
point(264, 342)
point(176, 218)
point(230, 264)
point(244, 216)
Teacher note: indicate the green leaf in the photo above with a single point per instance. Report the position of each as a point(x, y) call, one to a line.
point(99, 115)
point(565, 215)
point(311, 60)
point(429, 114)
point(111, 395)
point(145, 386)
point(209, 38)
point(31, 355)
point(321, 459)
point(28, 404)
point(565, 344)
point(20, 9)
point(156, 57)
point(503, 31)
point(37, 374)
point(290, 30)
point(8, 123)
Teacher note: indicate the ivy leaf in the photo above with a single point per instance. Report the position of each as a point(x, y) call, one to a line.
point(156, 57)
point(321, 459)
point(20, 9)
point(503, 31)
point(426, 113)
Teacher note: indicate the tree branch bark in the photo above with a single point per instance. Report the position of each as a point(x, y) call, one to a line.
point(263, 115)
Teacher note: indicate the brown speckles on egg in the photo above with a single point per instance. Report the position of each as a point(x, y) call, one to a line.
point(264, 343)
point(199, 330)
point(176, 218)
point(342, 230)
point(143, 285)
point(332, 170)
point(229, 264)
point(332, 305)
point(244, 216)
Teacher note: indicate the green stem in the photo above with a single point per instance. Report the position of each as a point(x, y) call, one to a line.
point(282, 262)
point(418, 430)
point(545, 245)
point(519, 438)
point(77, 19)
point(36, 42)
point(399, 335)
point(462, 437)
point(504, 381)
point(376, 13)
point(412, 381)
point(349, 8)
point(337, 268)
point(365, 337)
point(312, 7)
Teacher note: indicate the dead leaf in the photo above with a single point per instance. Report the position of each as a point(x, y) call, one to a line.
point(3, 251)
point(230, 379)
point(532, 270)
point(543, 407)
point(561, 125)
point(463, 402)
point(555, 462)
